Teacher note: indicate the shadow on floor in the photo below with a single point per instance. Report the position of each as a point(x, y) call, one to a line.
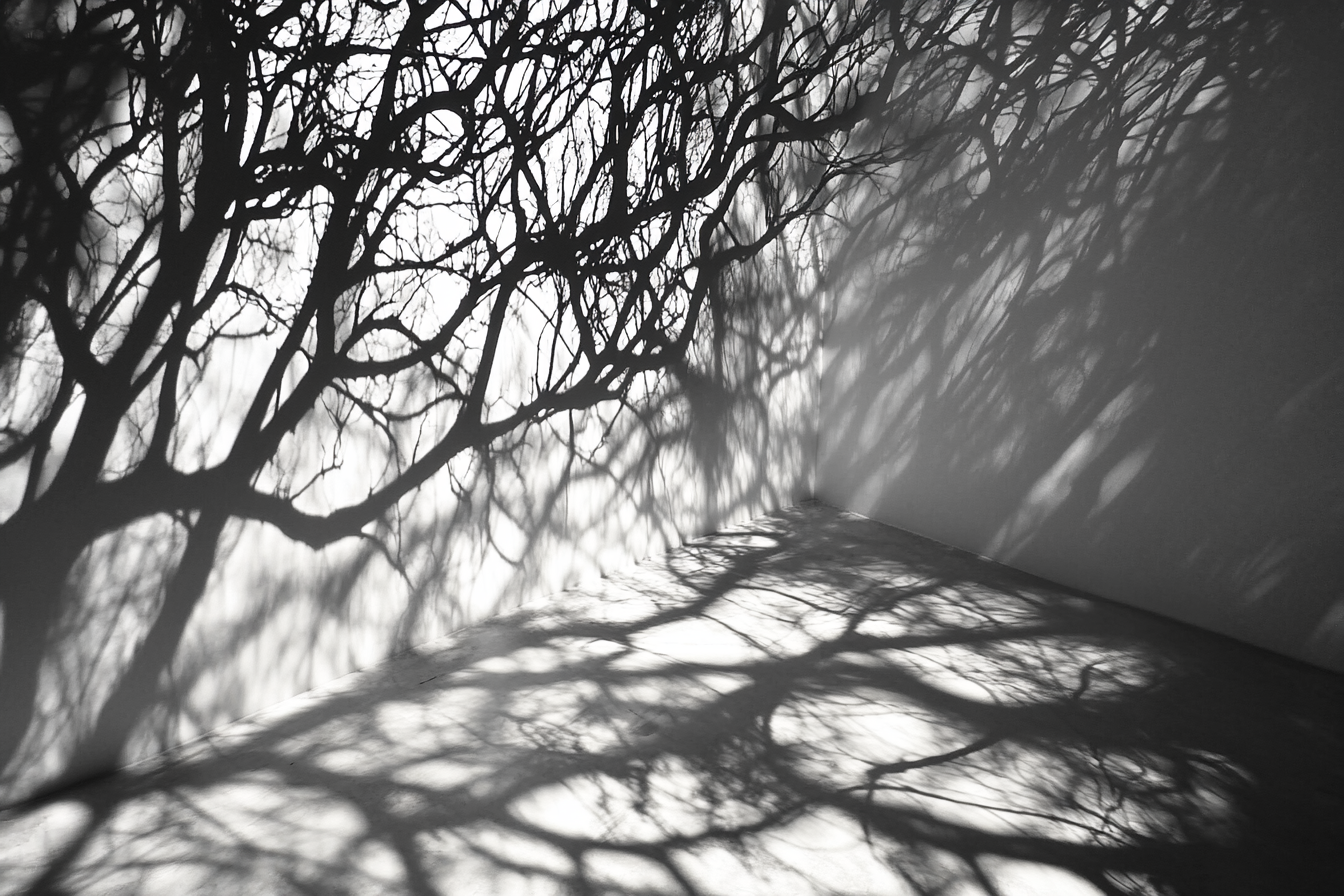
point(809, 703)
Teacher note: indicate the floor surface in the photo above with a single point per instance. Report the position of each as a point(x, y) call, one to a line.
point(811, 703)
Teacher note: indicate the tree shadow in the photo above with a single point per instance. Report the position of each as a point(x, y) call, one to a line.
point(1095, 332)
point(809, 703)
point(152, 299)
point(721, 437)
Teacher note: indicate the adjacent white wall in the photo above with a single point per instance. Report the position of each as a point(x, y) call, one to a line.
point(1134, 387)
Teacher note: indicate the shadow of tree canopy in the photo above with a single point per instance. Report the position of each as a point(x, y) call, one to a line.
point(320, 307)
point(1095, 329)
point(809, 703)
point(731, 420)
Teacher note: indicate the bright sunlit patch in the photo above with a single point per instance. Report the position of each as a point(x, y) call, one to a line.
point(1054, 487)
point(1017, 878)
point(1125, 471)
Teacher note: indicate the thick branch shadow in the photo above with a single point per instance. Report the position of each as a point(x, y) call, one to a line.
point(810, 703)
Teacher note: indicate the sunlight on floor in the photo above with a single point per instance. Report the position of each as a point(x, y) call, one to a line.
point(811, 703)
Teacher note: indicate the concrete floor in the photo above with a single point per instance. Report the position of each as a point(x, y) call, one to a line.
point(811, 703)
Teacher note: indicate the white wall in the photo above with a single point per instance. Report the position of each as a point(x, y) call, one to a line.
point(1112, 354)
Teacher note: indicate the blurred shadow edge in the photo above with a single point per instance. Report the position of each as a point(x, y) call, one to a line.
point(1106, 346)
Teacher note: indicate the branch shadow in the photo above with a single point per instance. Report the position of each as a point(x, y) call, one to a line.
point(1096, 331)
point(720, 438)
point(808, 703)
point(227, 617)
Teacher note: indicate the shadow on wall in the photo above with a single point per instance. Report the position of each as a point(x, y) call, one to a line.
point(809, 704)
point(311, 352)
point(1097, 329)
point(125, 672)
